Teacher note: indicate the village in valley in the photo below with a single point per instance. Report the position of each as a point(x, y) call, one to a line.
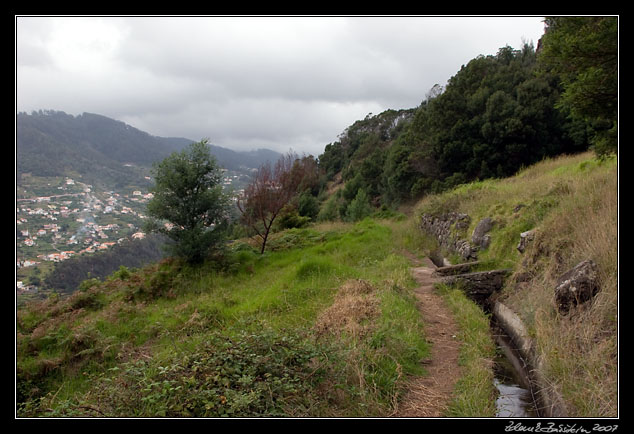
point(58, 218)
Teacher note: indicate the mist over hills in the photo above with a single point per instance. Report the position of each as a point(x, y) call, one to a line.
point(102, 150)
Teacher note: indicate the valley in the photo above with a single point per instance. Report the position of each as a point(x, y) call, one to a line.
point(58, 218)
point(82, 185)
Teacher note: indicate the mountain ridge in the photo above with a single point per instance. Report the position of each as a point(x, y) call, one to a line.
point(53, 143)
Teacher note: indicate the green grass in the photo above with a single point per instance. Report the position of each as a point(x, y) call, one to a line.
point(137, 343)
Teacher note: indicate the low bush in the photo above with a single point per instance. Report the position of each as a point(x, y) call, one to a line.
point(246, 375)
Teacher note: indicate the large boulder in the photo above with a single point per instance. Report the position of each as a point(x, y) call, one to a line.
point(577, 285)
point(480, 236)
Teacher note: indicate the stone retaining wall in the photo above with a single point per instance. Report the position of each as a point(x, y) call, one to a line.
point(446, 229)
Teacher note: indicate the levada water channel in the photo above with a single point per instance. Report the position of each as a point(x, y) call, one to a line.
point(515, 398)
point(512, 373)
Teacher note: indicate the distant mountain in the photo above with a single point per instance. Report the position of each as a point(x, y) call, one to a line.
point(103, 150)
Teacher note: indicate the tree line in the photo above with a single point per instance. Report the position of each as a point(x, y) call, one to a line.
point(497, 114)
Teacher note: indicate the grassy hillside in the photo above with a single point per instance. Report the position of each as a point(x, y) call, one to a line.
point(572, 203)
point(323, 325)
point(103, 150)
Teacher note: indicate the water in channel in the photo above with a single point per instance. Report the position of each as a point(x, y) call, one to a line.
point(513, 401)
point(511, 380)
point(515, 398)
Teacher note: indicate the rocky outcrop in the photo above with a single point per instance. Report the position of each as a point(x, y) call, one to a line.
point(577, 285)
point(480, 236)
point(525, 239)
point(447, 229)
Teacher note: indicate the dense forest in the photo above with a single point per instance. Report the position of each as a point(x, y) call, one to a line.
point(493, 117)
point(497, 114)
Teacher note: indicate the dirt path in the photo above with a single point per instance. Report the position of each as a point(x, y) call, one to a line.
point(429, 396)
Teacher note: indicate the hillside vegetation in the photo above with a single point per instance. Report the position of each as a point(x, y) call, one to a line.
point(572, 204)
point(325, 323)
point(494, 116)
point(497, 114)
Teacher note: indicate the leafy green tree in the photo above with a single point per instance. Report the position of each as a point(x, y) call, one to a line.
point(583, 51)
point(291, 218)
point(495, 116)
point(371, 170)
point(308, 205)
point(333, 159)
point(359, 207)
point(352, 186)
point(398, 173)
point(329, 211)
point(189, 205)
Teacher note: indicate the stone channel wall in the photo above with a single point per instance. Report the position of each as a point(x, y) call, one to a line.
point(447, 229)
point(549, 401)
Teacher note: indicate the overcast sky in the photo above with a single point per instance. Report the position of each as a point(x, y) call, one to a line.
point(248, 82)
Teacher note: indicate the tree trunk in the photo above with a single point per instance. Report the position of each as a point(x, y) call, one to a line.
point(265, 237)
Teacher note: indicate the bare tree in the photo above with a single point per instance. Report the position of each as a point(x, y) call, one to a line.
point(271, 189)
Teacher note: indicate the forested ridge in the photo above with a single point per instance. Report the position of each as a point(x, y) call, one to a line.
point(103, 150)
point(497, 114)
point(493, 117)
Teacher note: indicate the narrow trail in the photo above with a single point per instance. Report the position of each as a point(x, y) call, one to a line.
point(429, 395)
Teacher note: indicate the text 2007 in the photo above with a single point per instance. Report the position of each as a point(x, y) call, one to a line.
point(606, 428)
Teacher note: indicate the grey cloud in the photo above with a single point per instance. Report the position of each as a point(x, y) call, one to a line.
point(246, 82)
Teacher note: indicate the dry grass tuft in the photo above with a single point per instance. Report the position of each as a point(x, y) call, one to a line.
point(352, 312)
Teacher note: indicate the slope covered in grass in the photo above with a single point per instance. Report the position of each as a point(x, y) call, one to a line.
point(325, 323)
point(276, 334)
point(572, 204)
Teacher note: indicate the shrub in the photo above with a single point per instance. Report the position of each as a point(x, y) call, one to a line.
point(122, 274)
point(359, 207)
point(251, 374)
point(91, 299)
